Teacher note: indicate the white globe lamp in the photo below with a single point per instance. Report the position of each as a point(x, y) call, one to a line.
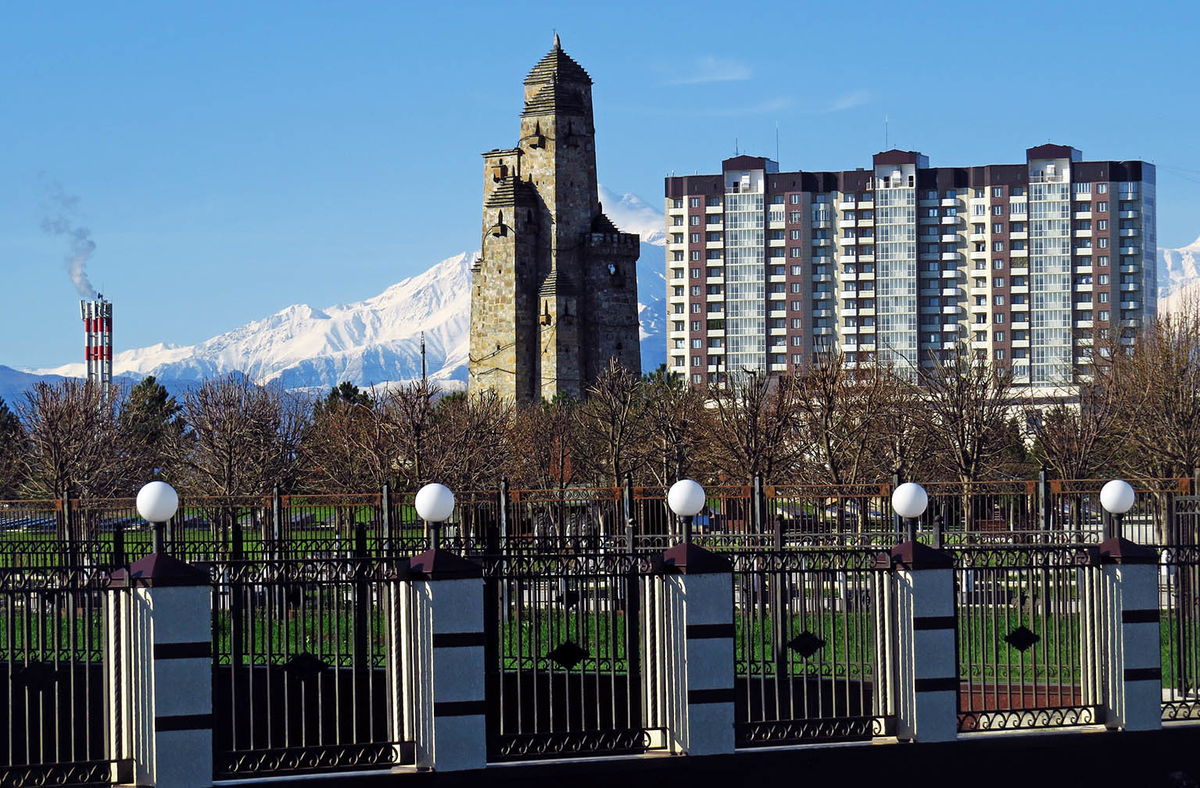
point(157, 502)
point(910, 500)
point(435, 504)
point(1117, 497)
point(686, 498)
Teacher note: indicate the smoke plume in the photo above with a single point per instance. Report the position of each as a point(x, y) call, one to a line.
point(61, 219)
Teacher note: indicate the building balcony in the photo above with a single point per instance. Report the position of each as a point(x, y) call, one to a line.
point(821, 224)
point(1083, 288)
point(1019, 307)
point(866, 222)
point(1019, 271)
point(949, 238)
point(1018, 253)
point(847, 330)
point(844, 241)
point(1128, 250)
point(822, 313)
point(952, 256)
point(822, 242)
point(1020, 325)
point(1085, 214)
point(1127, 214)
point(1083, 233)
point(951, 292)
point(1129, 287)
point(1128, 233)
point(822, 295)
point(1020, 343)
point(1085, 267)
point(1130, 269)
point(846, 205)
point(951, 309)
point(1019, 289)
point(866, 257)
point(1021, 236)
point(1083, 251)
point(950, 221)
point(1082, 196)
point(866, 239)
point(952, 202)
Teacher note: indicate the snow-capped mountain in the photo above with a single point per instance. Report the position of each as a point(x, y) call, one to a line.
point(633, 215)
point(376, 341)
point(1178, 277)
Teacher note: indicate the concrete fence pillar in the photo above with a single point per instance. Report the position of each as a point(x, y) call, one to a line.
point(161, 665)
point(1133, 680)
point(926, 661)
point(448, 664)
point(696, 651)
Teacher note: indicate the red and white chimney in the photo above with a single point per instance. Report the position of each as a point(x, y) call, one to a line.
point(97, 329)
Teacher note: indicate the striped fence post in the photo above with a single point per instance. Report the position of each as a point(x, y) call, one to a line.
point(449, 666)
point(163, 672)
point(699, 669)
point(927, 683)
point(1133, 691)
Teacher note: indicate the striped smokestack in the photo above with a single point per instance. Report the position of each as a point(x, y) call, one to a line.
point(97, 329)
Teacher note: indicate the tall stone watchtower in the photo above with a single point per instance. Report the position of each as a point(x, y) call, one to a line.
point(554, 293)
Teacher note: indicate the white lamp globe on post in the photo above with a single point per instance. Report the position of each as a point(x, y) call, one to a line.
point(686, 498)
point(157, 502)
point(909, 500)
point(435, 504)
point(1117, 497)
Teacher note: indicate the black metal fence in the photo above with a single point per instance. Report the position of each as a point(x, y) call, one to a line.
point(1179, 631)
point(812, 633)
point(1029, 634)
point(564, 654)
point(305, 673)
point(60, 726)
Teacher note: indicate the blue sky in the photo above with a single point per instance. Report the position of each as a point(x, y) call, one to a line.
point(234, 158)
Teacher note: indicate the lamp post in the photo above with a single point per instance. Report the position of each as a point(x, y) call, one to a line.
point(686, 499)
point(1117, 497)
point(157, 502)
point(435, 504)
point(909, 500)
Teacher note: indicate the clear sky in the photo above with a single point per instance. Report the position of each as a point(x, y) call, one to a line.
point(231, 159)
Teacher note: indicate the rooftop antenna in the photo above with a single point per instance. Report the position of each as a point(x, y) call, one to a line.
point(735, 146)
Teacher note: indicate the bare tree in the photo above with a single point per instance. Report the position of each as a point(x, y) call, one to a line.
point(968, 402)
point(1082, 440)
point(241, 438)
point(756, 428)
point(73, 441)
point(472, 441)
point(678, 427)
point(347, 448)
point(611, 426)
point(543, 434)
point(409, 423)
point(13, 449)
point(840, 409)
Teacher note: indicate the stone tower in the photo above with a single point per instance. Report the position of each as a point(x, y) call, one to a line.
point(554, 293)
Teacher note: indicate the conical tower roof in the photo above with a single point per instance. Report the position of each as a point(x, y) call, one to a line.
point(557, 66)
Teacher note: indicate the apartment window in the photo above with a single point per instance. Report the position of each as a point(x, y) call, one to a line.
point(795, 252)
point(998, 318)
point(999, 354)
point(979, 209)
point(998, 227)
point(1102, 224)
point(714, 202)
point(1103, 297)
point(713, 254)
point(1083, 188)
point(679, 308)
point(677, 256)
point(795, 234)
point(695, 220)
point(713, 238)
point(696, 324)
point(797, 322)
point(697, 343)
point(697, 378)
point(1102, 243)
point(997, 191)
point(713, 218)
point(696, 254)
point(998, 246)
point(777, 199)
point(696, 290)
point(797, 306)
point(1102, 261)
point(677, 203)
point(1083, 225)
point(1102, 315)
point(998, 336)
point(998, 281)
point(981, 336)
point(794, 199)
point(998, 300)
point(795, 270)
point(978, 194)
point(1102, 207)
point(695, 238)
point(677, 361)
point(695, 273)
point(694, 202)
point(696, 308)
point(696, 361)
point(997, 210)
point(794, 217)
point(1101, 188)
point(998, 265)
point(676, 221)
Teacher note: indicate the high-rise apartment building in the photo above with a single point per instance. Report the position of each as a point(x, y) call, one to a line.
point(903, 263)
point(554, 292)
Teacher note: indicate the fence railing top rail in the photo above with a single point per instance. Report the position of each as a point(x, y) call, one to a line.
point(331, 499)
point(1179, 485)
point(568, 495)
point(865, 490)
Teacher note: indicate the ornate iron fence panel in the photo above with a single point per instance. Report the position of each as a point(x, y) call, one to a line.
point(827, 515)
point(62, 719)
point(1074, 507)
point(1028, 635)
point(1179, 628)
point(303, 678)
point(812, 646)
point(564, 654)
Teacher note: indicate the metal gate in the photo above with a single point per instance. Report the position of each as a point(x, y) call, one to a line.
point(302, 679)
point(564, 655)
point(1029, 635)
point(61, 683)
point(812, 642)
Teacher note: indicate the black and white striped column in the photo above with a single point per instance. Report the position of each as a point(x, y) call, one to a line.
point(1133, 691)
point(926, 658)
point(449, 664)
point(699, 590)
point(165, 624)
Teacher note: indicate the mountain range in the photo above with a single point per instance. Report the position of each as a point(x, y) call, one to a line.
point(376, 341)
